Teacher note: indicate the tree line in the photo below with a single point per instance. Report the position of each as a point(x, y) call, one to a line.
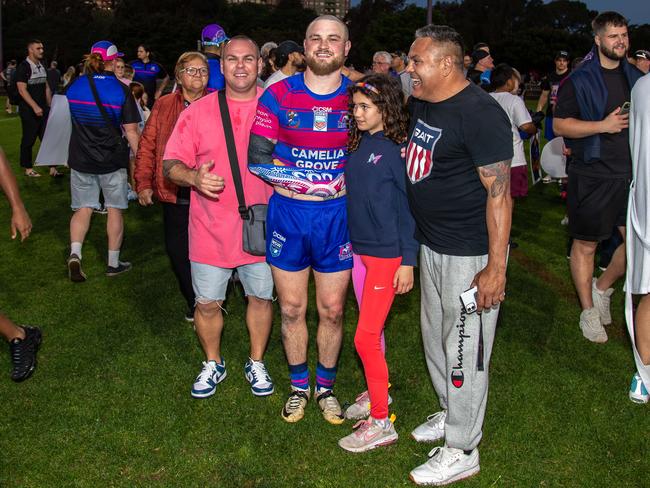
point(524, 33)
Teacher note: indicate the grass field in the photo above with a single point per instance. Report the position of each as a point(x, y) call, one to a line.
point(109, 404)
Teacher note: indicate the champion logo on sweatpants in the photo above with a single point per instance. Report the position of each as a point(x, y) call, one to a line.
point(457, 374)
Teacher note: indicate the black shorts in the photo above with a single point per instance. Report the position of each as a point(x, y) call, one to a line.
point(596, 205)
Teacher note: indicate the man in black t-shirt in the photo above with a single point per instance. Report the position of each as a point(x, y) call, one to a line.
point(550, 86)
point(592, 117)
point(35, 99)
point(458, 167)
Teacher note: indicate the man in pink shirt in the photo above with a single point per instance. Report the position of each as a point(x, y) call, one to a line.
point(196, 156)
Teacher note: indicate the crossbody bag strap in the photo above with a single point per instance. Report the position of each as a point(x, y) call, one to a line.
point(101, 108)
point(232, 154)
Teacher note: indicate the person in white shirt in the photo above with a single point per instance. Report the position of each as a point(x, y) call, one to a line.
point(504, 82)
point(289, 60)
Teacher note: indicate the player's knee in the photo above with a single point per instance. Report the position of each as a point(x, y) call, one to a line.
point(331, 314)
point(292, 315)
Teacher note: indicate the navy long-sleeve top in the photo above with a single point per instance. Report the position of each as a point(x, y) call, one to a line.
point(380, 222)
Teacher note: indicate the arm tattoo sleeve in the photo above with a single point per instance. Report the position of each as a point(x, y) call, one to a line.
point(260, 150)
point(168, 164)
point(501, 173)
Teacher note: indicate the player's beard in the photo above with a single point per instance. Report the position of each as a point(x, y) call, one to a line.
point(321, 67)
point(611, 54)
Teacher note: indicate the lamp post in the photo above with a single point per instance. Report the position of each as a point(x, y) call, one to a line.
point(429, 11)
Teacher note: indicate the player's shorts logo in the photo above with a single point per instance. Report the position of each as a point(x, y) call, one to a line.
point(345, 252)
point(275, 248)
point(419, 155)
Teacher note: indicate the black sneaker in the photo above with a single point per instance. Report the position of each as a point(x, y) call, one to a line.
point(75, 273)
point(122, 267)
point(23, 353)
point(189, 315)
point(101, 210)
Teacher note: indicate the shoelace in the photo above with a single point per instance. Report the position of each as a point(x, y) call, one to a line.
point(437, 418)
point(295, 400)
point(258, 369)
point(207, 371)
point(329, 402)
point(361, 427)
point(18, 352)
point(362, 397)
point(437, 455)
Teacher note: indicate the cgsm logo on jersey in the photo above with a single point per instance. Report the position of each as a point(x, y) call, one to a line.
point(419, 155)
point(320, 118)
point(276, 244)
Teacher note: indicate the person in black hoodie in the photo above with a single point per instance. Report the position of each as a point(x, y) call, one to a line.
point(382, 234)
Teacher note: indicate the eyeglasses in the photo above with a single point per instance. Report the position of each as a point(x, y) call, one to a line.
point(192, 71)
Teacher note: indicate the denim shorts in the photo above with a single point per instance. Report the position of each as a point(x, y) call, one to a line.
point(210, 282)
point(85, 188)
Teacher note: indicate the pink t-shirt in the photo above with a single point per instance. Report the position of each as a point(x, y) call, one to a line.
point(215, 227)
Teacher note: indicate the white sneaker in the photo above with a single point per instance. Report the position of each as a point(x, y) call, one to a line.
point(258, 377)
point(369, 434)
point(446, 465)
point(602, 300)
point(433, 429)
point(210, 376)
point(638, 392)
point(591, 326)
point(360, 409)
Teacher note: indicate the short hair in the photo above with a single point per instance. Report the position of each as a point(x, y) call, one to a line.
point(447, 37)
point(500, 76)
point(331, 18)
point(33, 41)
point(128, 71)
point(240, 37)
point(185, 58)
point(480, 45)
point(602, 20)
point(384, 54)
point(265, 50)
point(137, 89)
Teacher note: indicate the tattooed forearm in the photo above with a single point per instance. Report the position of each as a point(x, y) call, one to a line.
point(496, 177)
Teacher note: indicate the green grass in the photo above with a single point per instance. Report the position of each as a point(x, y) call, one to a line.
point(109, 404)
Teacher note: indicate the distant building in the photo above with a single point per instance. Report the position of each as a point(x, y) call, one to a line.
point(333, 7)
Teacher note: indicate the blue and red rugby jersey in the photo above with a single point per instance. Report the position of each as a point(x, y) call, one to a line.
point(92, 141)
point(312, 135)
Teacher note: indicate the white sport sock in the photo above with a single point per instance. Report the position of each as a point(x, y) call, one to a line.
point(75, 248)
point(113, 258)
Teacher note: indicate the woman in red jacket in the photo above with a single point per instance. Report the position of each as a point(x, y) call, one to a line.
point(192, 77)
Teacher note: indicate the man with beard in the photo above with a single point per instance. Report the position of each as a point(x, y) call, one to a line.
point(458, 165)
point(592, 116)
point(298, 144)
point(289, 59)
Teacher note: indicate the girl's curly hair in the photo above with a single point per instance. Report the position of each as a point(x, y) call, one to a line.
point(385, 92)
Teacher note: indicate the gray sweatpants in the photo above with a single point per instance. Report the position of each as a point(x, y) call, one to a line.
point(457, 345)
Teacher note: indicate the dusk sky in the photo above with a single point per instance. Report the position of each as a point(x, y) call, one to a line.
point(637, 11)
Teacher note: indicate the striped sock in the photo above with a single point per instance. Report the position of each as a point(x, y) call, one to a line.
point(325, 377)
point(299, 376)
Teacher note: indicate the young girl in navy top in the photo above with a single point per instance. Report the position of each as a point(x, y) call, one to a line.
point(381, 231)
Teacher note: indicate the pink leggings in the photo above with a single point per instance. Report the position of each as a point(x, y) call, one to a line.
point(377, 298)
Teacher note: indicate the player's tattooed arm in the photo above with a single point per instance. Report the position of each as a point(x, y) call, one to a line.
point(496, 178)
point(260, 150)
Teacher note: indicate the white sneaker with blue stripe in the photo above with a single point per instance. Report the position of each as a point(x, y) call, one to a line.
point(638, 391)
point(210, 376)
point(259, 378)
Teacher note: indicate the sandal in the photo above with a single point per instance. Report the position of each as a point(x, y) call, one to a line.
point(32, 174)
